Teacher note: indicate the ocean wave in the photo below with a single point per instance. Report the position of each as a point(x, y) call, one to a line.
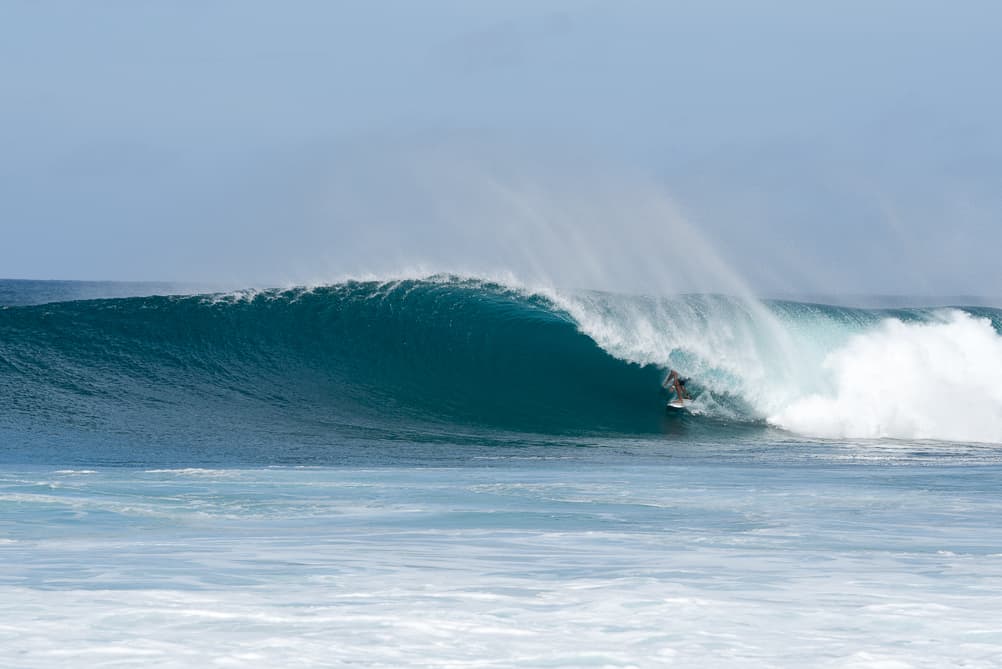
point(433, 352)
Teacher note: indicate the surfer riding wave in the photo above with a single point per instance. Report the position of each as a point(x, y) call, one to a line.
point(675, 382)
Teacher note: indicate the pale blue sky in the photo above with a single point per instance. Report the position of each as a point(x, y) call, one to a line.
point(850, 146)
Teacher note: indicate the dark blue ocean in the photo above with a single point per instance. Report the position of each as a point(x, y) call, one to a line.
point(454, 471)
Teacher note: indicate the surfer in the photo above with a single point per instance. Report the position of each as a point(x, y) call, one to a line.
point(674, 381)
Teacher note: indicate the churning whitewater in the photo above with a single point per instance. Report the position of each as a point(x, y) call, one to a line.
point(443, 350)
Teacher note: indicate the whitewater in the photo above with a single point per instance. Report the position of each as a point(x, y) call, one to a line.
point(460, 470)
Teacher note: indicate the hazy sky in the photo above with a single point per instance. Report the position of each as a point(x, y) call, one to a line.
point(843, 146)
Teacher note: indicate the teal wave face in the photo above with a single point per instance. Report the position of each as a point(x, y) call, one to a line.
point(371, 354)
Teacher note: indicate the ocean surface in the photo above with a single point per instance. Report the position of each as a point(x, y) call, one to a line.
point(456, 471)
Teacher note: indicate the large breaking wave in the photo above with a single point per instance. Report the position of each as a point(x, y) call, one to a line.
point(441, 352)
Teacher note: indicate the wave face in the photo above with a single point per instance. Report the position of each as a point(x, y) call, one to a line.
point(444, 352)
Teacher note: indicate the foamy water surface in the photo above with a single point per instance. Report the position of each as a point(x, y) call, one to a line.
point(832, 559)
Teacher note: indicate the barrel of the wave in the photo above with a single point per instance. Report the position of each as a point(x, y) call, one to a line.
point(358, 357)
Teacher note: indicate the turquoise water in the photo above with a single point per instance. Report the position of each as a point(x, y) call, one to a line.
point(453, 472)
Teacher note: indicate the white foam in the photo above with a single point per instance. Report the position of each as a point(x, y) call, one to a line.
point(192, 471)
point(937, 380)
point(556, 566)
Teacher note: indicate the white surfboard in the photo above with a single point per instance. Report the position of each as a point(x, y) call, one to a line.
point(676, 404)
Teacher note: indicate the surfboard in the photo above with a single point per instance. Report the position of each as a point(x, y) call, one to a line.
point(676, 404)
